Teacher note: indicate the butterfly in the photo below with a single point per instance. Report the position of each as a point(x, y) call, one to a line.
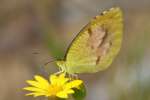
point(96, 45)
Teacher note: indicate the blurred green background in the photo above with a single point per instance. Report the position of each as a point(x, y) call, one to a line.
point(33, 32)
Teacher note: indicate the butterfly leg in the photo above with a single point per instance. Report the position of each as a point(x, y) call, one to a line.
point(73, 76)
point(59, 72)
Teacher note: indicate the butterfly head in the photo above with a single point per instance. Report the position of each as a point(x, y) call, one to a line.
point(61, 64)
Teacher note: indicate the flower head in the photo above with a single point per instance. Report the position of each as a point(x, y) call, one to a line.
point(59, 86)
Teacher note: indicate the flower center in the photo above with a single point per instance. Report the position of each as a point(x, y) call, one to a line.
point(54, 89)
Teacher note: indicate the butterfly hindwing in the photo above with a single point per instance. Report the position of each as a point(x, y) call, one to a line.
point(97, 44)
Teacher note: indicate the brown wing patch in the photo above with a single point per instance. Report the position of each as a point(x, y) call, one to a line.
point(96, 37)
point(98, 41)
point(98, 59)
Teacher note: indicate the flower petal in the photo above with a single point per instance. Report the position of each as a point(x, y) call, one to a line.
point(73, 84)
point(58, 80)
point(69, 91)
point(62, 81)
point(35, 94)
point(53, 79)
point(62, 75)
point(42, 81)
point(35, 84)
point(62, 95)
point(34, 89)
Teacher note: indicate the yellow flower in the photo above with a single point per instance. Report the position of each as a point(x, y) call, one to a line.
point(59, 86)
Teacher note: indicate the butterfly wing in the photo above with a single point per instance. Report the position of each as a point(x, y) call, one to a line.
point(97, 43)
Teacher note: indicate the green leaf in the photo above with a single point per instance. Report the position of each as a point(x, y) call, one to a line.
point(80, 93)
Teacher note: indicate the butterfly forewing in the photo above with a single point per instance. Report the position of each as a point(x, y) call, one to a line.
point(97, 44)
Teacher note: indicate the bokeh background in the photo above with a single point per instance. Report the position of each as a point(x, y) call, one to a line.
point(33, 32)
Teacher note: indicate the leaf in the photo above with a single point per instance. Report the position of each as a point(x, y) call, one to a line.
point(80, 93)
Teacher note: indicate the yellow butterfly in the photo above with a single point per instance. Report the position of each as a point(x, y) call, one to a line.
point(96, 45)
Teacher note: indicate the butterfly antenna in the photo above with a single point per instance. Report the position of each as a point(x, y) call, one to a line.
point(43, 65)
point(36, 52)
point(49, 62)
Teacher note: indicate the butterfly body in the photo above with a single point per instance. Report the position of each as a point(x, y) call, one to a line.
point(96, 45)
